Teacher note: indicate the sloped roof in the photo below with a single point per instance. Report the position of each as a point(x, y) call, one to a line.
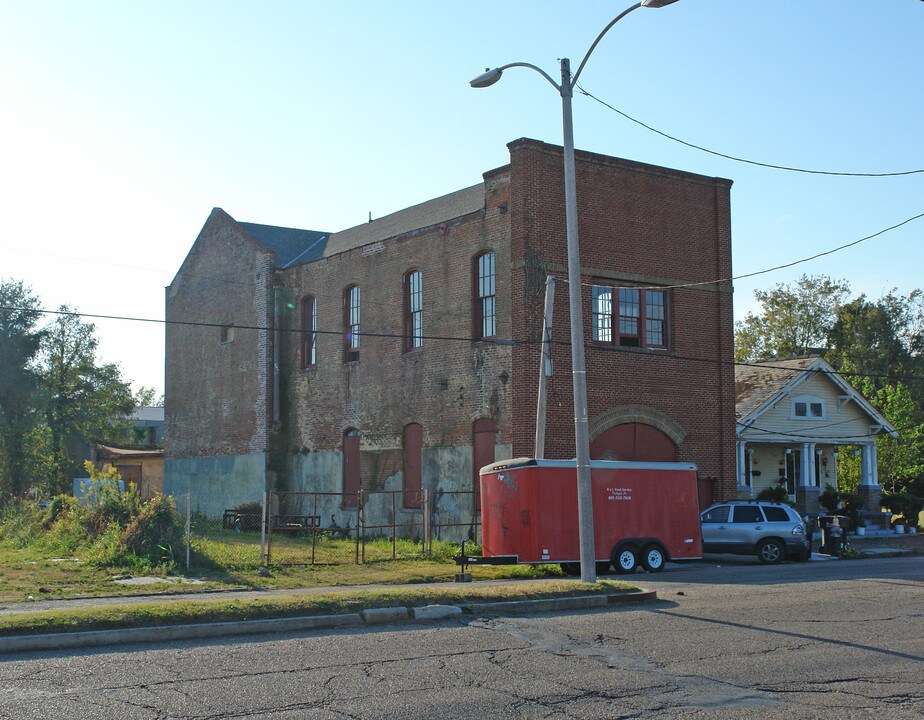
point(106, 451)
point(432, 212)
point(756, 383)
point(290, 246)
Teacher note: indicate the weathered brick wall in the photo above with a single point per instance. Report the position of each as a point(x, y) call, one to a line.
point(443, 386)
point(218, 394)
point(637, 224)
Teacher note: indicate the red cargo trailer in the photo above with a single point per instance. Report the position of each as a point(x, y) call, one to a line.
point(644, 513)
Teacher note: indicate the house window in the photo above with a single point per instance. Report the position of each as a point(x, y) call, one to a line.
point(309, 332)
point(806, 407)
point(413, 301)
point(413, 451)
point(485, 297)
point(227, 334)
point(351, 324)
point(629, 317)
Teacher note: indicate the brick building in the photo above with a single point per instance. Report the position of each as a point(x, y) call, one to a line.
point(403, 353)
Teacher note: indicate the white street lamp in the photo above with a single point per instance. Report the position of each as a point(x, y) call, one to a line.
point(581, 434)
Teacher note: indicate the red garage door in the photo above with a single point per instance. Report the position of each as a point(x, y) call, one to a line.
point(634, 441)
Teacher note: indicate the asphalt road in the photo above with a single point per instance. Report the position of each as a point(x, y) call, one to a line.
point(728, 639)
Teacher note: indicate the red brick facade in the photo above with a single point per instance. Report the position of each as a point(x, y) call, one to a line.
point(640, 225)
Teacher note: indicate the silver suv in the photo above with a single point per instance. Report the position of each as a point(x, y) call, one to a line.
point(772, 531)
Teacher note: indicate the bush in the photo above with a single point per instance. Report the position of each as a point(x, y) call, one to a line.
point(905, 504)
point(59, 504)
point(250, 514)
point(155, 531)
point(830, 499)
point(20, 523)
point(852, 504)
point(775, 493)
point(106, 503)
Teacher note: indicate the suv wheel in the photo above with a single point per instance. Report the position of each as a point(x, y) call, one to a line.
point(770, 551)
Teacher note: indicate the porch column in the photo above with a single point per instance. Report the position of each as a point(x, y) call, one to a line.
point(870, 472)
point(867, 474)
point(808, 465)
point(742, 480)
point(806, 491)
point(869, 488)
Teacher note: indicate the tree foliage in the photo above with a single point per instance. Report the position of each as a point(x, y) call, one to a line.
point(82, 400)
point(20, 312)
point(794, 319)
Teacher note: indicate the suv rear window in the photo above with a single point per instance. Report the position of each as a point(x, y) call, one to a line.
point(747, 514)
point(776, 514)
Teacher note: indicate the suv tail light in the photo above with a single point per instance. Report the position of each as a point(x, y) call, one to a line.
point(798, 529)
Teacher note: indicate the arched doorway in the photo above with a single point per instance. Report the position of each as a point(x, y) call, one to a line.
point(633, 442)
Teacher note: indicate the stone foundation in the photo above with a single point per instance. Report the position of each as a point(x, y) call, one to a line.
point(807, 500)
point(871, 494)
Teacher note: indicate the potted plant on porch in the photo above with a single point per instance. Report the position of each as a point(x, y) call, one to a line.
point(907, 506)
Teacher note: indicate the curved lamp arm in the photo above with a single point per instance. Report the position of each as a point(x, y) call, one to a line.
point(489, 77)
point(574, 78)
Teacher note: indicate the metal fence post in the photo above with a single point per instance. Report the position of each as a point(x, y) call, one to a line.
point(394, 528)
point(264, 550)
point(315, 521)
point(188, 526)
point(427, 529)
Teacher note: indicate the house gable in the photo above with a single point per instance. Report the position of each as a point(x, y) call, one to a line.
point(803, 400)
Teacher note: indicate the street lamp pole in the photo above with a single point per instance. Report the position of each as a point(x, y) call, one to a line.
point(579, 374)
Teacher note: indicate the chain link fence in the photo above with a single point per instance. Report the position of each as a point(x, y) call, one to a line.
point(305, 528)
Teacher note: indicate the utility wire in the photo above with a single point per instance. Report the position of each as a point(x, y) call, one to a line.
point(771, 269)
point(502, 342)
point(744, 160)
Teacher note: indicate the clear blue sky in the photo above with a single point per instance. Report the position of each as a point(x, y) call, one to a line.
point(123, 124)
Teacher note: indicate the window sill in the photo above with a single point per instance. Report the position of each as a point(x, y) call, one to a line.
point(630, 348)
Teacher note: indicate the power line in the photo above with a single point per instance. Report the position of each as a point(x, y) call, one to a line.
point(771, 269)
point(502, 342)
point(772, 166)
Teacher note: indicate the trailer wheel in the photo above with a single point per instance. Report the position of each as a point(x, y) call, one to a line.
point(626, 560)
point(653, 558)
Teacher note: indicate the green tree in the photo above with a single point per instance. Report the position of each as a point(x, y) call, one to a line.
point(794, 319)
point(83, 400)
point(881, 340)
point(20, 340)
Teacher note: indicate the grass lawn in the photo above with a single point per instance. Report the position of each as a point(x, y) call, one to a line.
point(233, 561)
point(152, 614)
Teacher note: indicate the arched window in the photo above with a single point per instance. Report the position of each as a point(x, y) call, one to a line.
point(484, 299)
point(351, 328)
point(352, 477)
point(413, 451)
point(413, 310)
point(309, 332)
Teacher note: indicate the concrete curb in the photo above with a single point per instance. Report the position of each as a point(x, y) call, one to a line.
point(369, 617)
